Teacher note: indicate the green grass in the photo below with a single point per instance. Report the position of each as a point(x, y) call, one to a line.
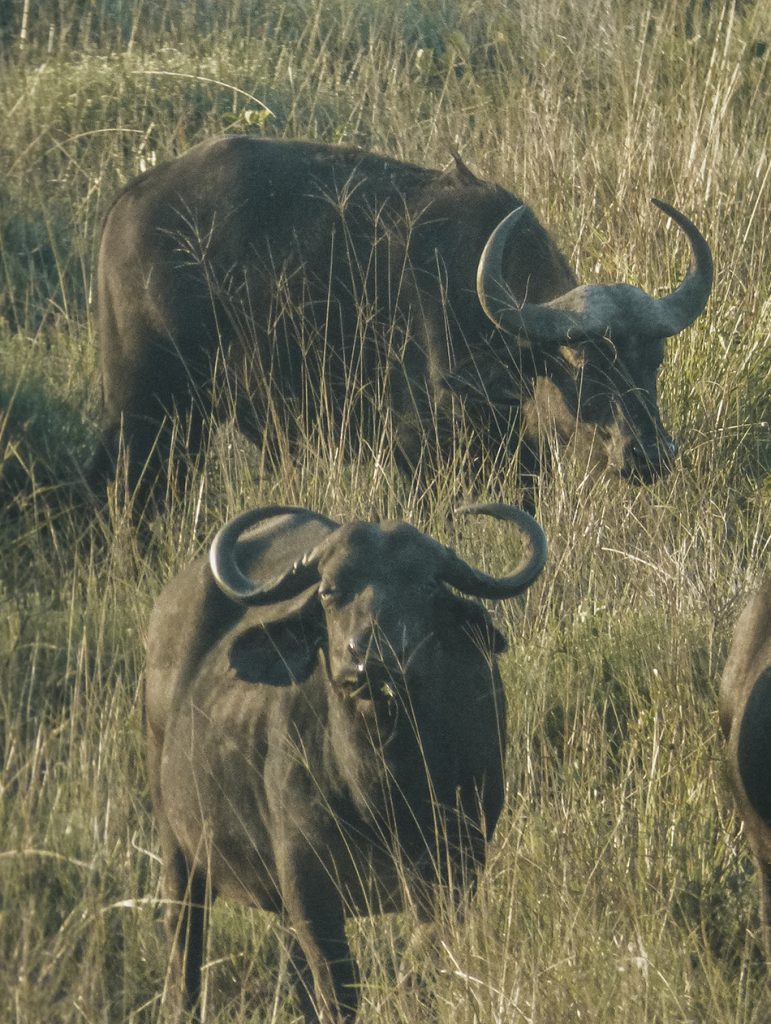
point(619, 887)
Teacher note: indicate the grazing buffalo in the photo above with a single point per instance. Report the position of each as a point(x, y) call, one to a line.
point(292, 284)
point(326, 733)
point(745, 718)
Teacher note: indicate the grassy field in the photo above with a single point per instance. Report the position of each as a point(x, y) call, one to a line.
point(619, 887)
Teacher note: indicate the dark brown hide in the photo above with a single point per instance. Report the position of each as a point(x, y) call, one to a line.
point(296, 283)
point(337, 753)
point(745, 718)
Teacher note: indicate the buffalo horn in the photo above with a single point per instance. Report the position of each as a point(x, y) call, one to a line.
point(679, 309)
point(304, 572)
point(594, 310)
point(476, 583)
point(232, 581)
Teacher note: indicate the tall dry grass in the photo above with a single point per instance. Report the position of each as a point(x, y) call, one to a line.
point(618, 886)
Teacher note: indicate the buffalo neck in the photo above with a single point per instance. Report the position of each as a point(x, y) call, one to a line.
point(374, 751)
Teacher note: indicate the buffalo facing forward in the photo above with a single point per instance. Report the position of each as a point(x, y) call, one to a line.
point(292, 283)
point(326, 733)
point(745, 718)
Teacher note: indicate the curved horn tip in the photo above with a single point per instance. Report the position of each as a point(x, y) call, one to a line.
point(676, 215)
point(477, 583)
point(512, 514)
point(496, 509)
point(225, 570)
point(679, 309)
point(668, 209)
point(513, 215)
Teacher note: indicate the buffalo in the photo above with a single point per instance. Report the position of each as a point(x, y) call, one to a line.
point(287, 284)
point(326, 733)
point(745, 718)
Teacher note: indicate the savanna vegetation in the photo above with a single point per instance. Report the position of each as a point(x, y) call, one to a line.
point(619, 886)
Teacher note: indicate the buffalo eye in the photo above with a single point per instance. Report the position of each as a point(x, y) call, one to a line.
point(327, 592)
point(654, 351)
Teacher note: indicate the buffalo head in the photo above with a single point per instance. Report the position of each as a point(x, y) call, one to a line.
point(380, 587)
point(599, 349)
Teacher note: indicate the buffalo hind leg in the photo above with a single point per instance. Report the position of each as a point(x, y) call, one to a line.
point(148, 459)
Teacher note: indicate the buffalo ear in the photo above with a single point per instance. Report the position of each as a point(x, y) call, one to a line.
point(492, 639)
point(278, 644)
point(461, 171)
point(470, 619)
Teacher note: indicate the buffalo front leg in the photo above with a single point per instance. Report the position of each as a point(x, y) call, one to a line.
point(187, 907)
point(435, 897)
point(319, 948)
point(186, 900)
point(300, 978)
point(764, 880)
point(423, 948)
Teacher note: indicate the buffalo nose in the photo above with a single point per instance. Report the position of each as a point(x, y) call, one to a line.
point(650, 462)
point(641, 456)
point(357, 648)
